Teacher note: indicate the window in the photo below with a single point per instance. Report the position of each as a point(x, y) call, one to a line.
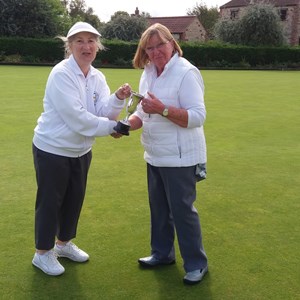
point(234, 14)
point(283, 14)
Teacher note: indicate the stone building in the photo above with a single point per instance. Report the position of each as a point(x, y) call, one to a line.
point(289, 12)
point(183, 28)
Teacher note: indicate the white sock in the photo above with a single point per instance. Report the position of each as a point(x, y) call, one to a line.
point(60, 246)
point(41, 254)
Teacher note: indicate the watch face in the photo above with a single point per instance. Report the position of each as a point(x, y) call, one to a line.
point(165, 112)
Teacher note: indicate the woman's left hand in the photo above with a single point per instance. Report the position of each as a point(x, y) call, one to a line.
point(152, 105)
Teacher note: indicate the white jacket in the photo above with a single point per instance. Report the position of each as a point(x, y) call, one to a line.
point(76, 110)
point(167, 144)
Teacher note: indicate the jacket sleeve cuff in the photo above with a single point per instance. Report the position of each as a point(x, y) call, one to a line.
point(111, 126)
point(117, 102)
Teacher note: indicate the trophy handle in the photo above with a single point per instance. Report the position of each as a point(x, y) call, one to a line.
point(130, 103)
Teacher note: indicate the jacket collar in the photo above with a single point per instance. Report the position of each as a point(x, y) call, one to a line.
point(76, 69)
point(150, 68)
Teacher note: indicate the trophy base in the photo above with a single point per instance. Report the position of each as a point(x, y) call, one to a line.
point(122, 128)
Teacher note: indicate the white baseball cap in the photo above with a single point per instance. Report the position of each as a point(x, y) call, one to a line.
point(82, 27)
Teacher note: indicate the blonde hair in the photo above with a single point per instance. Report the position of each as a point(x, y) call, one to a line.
point(141, 58)
point(68, 41)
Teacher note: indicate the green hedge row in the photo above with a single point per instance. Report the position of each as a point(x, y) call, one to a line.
point(212, 54)
point(26, 50)
point(52, 50)
point(31, 50)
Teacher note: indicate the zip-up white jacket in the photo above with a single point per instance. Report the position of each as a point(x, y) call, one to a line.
point(76, 110)
point(167, 144)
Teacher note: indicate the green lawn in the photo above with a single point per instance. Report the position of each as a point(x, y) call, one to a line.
point(249, 205)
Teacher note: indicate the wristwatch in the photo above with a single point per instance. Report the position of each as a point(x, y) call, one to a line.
point(165, 112)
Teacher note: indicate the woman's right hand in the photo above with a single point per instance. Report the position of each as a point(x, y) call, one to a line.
point(123, 91)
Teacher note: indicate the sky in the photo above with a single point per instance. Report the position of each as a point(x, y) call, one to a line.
point(104, 9)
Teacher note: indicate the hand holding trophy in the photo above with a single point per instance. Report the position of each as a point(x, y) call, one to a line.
point(123, 126)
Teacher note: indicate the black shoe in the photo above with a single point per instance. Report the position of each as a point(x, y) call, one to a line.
point(152, 261)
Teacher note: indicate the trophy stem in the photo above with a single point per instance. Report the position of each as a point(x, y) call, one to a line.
point(124, 126)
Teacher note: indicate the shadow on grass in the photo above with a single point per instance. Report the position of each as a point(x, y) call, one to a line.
point(170, 284)
point(66, 286)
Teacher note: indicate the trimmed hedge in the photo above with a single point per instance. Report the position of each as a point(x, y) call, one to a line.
point(39, 50)
point(213, 54)
point(52, 50)
point(119, 53)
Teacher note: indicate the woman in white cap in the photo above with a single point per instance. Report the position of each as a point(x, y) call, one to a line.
point(78, 107)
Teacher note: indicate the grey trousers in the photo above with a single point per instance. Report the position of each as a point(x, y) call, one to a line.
point(61, 189)
point(172, 192)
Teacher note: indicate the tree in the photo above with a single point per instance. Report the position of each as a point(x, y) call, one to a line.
point(78, 11)
point(124, 27)
point(260, 25)
point(207, 17)
point(227, 31)
point(32, 18)
point(93, 19)
point(119, 13)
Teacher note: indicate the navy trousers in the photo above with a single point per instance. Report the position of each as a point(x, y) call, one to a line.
point(172, 192)
point(61, 185)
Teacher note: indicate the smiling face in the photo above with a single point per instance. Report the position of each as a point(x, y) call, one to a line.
point(84, 47)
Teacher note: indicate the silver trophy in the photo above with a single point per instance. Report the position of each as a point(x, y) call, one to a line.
point(123, 126)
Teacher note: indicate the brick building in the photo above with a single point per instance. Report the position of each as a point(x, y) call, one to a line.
point(289, 12)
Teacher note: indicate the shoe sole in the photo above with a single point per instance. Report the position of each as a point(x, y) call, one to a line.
point(146, 265)
point(189, 282)
point(80, 261)
point(51, 274)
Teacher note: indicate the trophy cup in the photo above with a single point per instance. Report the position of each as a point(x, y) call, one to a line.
point(124, 125)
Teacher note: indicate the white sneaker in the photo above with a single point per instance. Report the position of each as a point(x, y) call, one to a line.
point(48, 263)
point(72, 252)
point(195, 276)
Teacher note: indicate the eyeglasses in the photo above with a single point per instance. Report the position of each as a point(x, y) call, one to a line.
point(158, 47)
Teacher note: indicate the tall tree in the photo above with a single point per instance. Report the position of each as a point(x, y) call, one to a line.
point(259, 25)
point(77, 8)
point(78, 11)
point(207, 17)
point(32, 18)
point(124, 27)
